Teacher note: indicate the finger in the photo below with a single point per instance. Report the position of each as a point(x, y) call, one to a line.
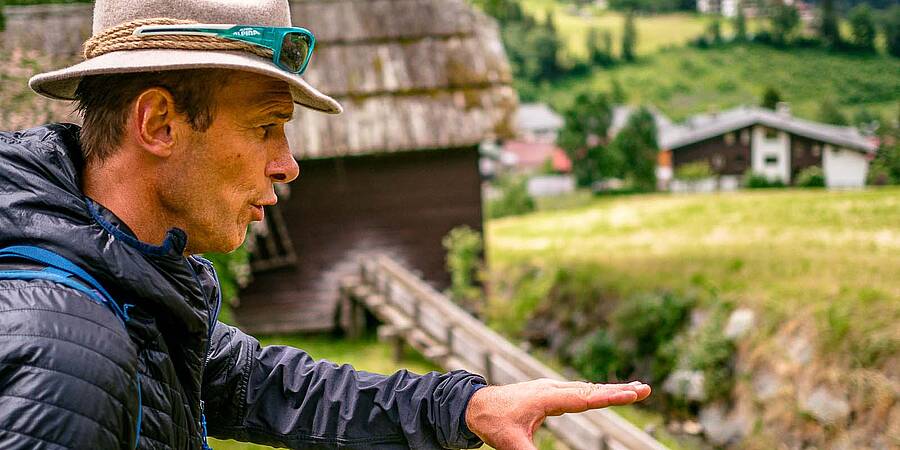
point(560, 401)
point(641, 389)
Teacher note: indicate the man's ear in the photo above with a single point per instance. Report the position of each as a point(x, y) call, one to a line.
point(154, 122)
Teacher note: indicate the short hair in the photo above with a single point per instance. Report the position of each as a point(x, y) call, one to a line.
point(104, 101)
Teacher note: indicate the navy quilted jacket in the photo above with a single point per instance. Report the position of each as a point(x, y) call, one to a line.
point(68, 368)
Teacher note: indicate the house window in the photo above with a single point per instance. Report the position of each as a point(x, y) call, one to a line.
point(718, 161)
point(729, 139)
point(816, 150)
point(771, 160)
point(270, 244)
point(745, 137)
point(771, 133)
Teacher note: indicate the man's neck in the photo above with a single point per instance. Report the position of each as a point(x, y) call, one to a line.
point(128, 193)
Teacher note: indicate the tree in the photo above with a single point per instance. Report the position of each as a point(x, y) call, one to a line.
point(584, 137)
point(891, 27)
point(715, 31)
point(770, 98)
point(533, 51)
point(830, 113)
point(505, 11)
point(784, 22)
point(885, 168)
point(629, 37)
point(599, 45)
point(637, 143)
point(740, 24)
point(828, 25)
point(862, 26)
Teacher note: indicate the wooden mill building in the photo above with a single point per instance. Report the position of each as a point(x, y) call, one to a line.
point(422, 82)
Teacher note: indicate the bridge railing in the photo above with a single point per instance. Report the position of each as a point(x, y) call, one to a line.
point(412, 311)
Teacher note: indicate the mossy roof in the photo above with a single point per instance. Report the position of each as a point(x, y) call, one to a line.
point(411, 74)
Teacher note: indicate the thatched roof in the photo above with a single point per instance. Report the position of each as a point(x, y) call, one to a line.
point(411, 74)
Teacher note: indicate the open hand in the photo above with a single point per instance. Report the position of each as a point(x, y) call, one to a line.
point(506, 417)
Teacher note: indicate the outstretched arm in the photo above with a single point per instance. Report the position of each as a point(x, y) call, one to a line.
point(280, 396)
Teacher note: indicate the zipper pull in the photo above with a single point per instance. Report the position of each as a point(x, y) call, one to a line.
point(203, 426)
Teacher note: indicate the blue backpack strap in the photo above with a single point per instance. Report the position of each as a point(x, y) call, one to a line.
point(60, 270)
point(62, 267)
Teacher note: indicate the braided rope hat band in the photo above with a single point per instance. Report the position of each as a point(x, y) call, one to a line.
point(113, 48)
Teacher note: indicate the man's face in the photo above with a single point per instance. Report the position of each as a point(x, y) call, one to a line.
point(218, 181)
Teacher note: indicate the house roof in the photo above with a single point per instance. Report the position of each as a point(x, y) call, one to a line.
point(537, 116)
point(411, 74)
point(705, 126)
point(533, 155)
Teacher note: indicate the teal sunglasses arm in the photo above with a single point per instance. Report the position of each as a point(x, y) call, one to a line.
point(268, 37)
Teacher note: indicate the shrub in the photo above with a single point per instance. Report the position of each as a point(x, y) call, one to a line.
point(233, 270)
point(760, 181)
point(597, 357)
point(464, 246)
point(513, 199)
point(694, 171)
point(644, 324)
point(709, 351)
point(811, 177)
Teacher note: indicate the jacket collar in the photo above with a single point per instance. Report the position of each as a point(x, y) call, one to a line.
point(41, 204)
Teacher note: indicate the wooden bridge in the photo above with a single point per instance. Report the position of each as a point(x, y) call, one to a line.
point(411, 311)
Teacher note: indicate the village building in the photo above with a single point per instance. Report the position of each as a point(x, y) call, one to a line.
point(774, 144)
point(422, 82)
point(538, 122)
point(534, 149)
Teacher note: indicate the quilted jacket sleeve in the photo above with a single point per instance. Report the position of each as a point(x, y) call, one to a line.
point(67, 371)
point(280, 396)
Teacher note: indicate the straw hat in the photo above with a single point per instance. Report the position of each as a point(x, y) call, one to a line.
point(129, 54)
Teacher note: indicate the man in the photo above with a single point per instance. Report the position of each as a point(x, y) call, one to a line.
point(182, 143)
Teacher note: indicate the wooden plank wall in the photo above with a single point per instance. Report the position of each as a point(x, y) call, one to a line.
point(401, 204)
point(736, 156)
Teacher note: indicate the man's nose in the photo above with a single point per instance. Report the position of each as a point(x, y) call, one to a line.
point(284, 168)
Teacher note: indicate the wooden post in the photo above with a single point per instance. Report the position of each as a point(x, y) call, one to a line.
point(357, 315)
point(449, 338)
point(397, 342)
point(488, 367)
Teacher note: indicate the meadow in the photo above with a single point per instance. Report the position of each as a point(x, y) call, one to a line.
point(828, 257)
point(655, 32)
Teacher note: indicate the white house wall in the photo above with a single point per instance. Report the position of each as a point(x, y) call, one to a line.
point(779, 147)
point(844, 168)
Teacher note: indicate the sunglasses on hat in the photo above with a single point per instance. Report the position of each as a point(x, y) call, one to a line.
point(291, 47)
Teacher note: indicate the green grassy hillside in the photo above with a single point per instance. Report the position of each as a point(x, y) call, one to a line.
point(685, 81)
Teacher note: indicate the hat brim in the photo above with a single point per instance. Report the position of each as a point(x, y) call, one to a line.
point(61, 84)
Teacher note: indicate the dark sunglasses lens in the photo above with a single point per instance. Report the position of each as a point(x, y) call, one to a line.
point(294, 51)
